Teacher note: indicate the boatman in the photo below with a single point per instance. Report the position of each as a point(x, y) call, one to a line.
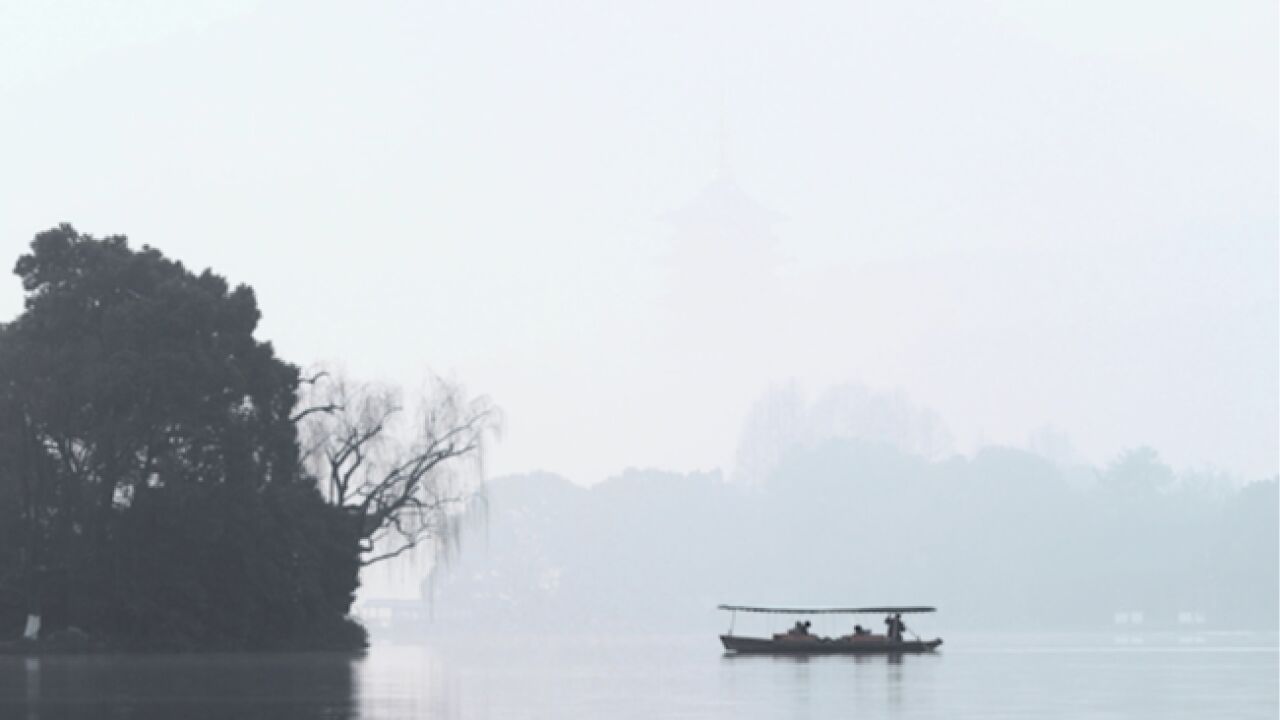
point(896, 626)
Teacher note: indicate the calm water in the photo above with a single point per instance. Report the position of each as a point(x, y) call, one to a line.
point(1232, 676)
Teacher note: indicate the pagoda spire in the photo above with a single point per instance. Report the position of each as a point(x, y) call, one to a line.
point(722, 138)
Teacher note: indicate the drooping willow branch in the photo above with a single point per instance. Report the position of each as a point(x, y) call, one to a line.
point(401, 471)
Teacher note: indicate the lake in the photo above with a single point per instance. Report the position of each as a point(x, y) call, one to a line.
point(1010, 676)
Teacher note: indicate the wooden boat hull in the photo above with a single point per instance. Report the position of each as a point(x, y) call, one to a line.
point(815, 646)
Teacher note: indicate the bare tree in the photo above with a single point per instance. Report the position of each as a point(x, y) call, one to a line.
point(404, 471)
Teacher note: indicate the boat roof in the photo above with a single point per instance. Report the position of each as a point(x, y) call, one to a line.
point(877, 610)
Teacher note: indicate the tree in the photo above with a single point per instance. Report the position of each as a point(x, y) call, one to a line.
point(142, 422)
point(401, 473)
point(1139, 473)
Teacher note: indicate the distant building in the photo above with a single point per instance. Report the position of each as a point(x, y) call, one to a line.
point(723, 269)
point(386, 616)
point(1129, 617)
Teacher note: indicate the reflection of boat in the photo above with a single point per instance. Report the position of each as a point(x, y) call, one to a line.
point(799, 641)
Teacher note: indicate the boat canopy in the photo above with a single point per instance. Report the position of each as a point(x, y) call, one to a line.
point(880, 610)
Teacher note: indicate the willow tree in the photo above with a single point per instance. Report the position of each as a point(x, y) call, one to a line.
point(403, 471)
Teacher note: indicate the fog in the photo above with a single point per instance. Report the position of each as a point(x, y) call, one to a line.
point(1008, 539)
point(625, 227)
point(531, 332)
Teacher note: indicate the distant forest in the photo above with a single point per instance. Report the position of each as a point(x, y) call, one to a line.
point(1003, 539)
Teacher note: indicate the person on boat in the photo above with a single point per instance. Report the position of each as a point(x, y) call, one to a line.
point(859, 630)
point(896, 626)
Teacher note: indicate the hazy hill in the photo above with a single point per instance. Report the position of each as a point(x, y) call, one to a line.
point(1002, 539)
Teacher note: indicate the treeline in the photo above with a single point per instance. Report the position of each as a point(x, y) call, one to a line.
point(154, 488)
point(1004, 539)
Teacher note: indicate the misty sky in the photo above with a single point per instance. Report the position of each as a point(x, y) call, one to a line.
point(1018, 214)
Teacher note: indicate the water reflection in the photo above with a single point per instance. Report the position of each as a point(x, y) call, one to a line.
point(585, 677)
point(860, 682)
point(149, 687)
point(894, 684)
point(31, 681)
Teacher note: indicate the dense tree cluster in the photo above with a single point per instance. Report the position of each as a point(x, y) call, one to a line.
point(153, 491)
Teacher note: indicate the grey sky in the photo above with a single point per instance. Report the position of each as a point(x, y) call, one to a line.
point(1019, 214)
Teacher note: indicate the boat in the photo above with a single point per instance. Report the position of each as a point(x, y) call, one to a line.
point(799, 641)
